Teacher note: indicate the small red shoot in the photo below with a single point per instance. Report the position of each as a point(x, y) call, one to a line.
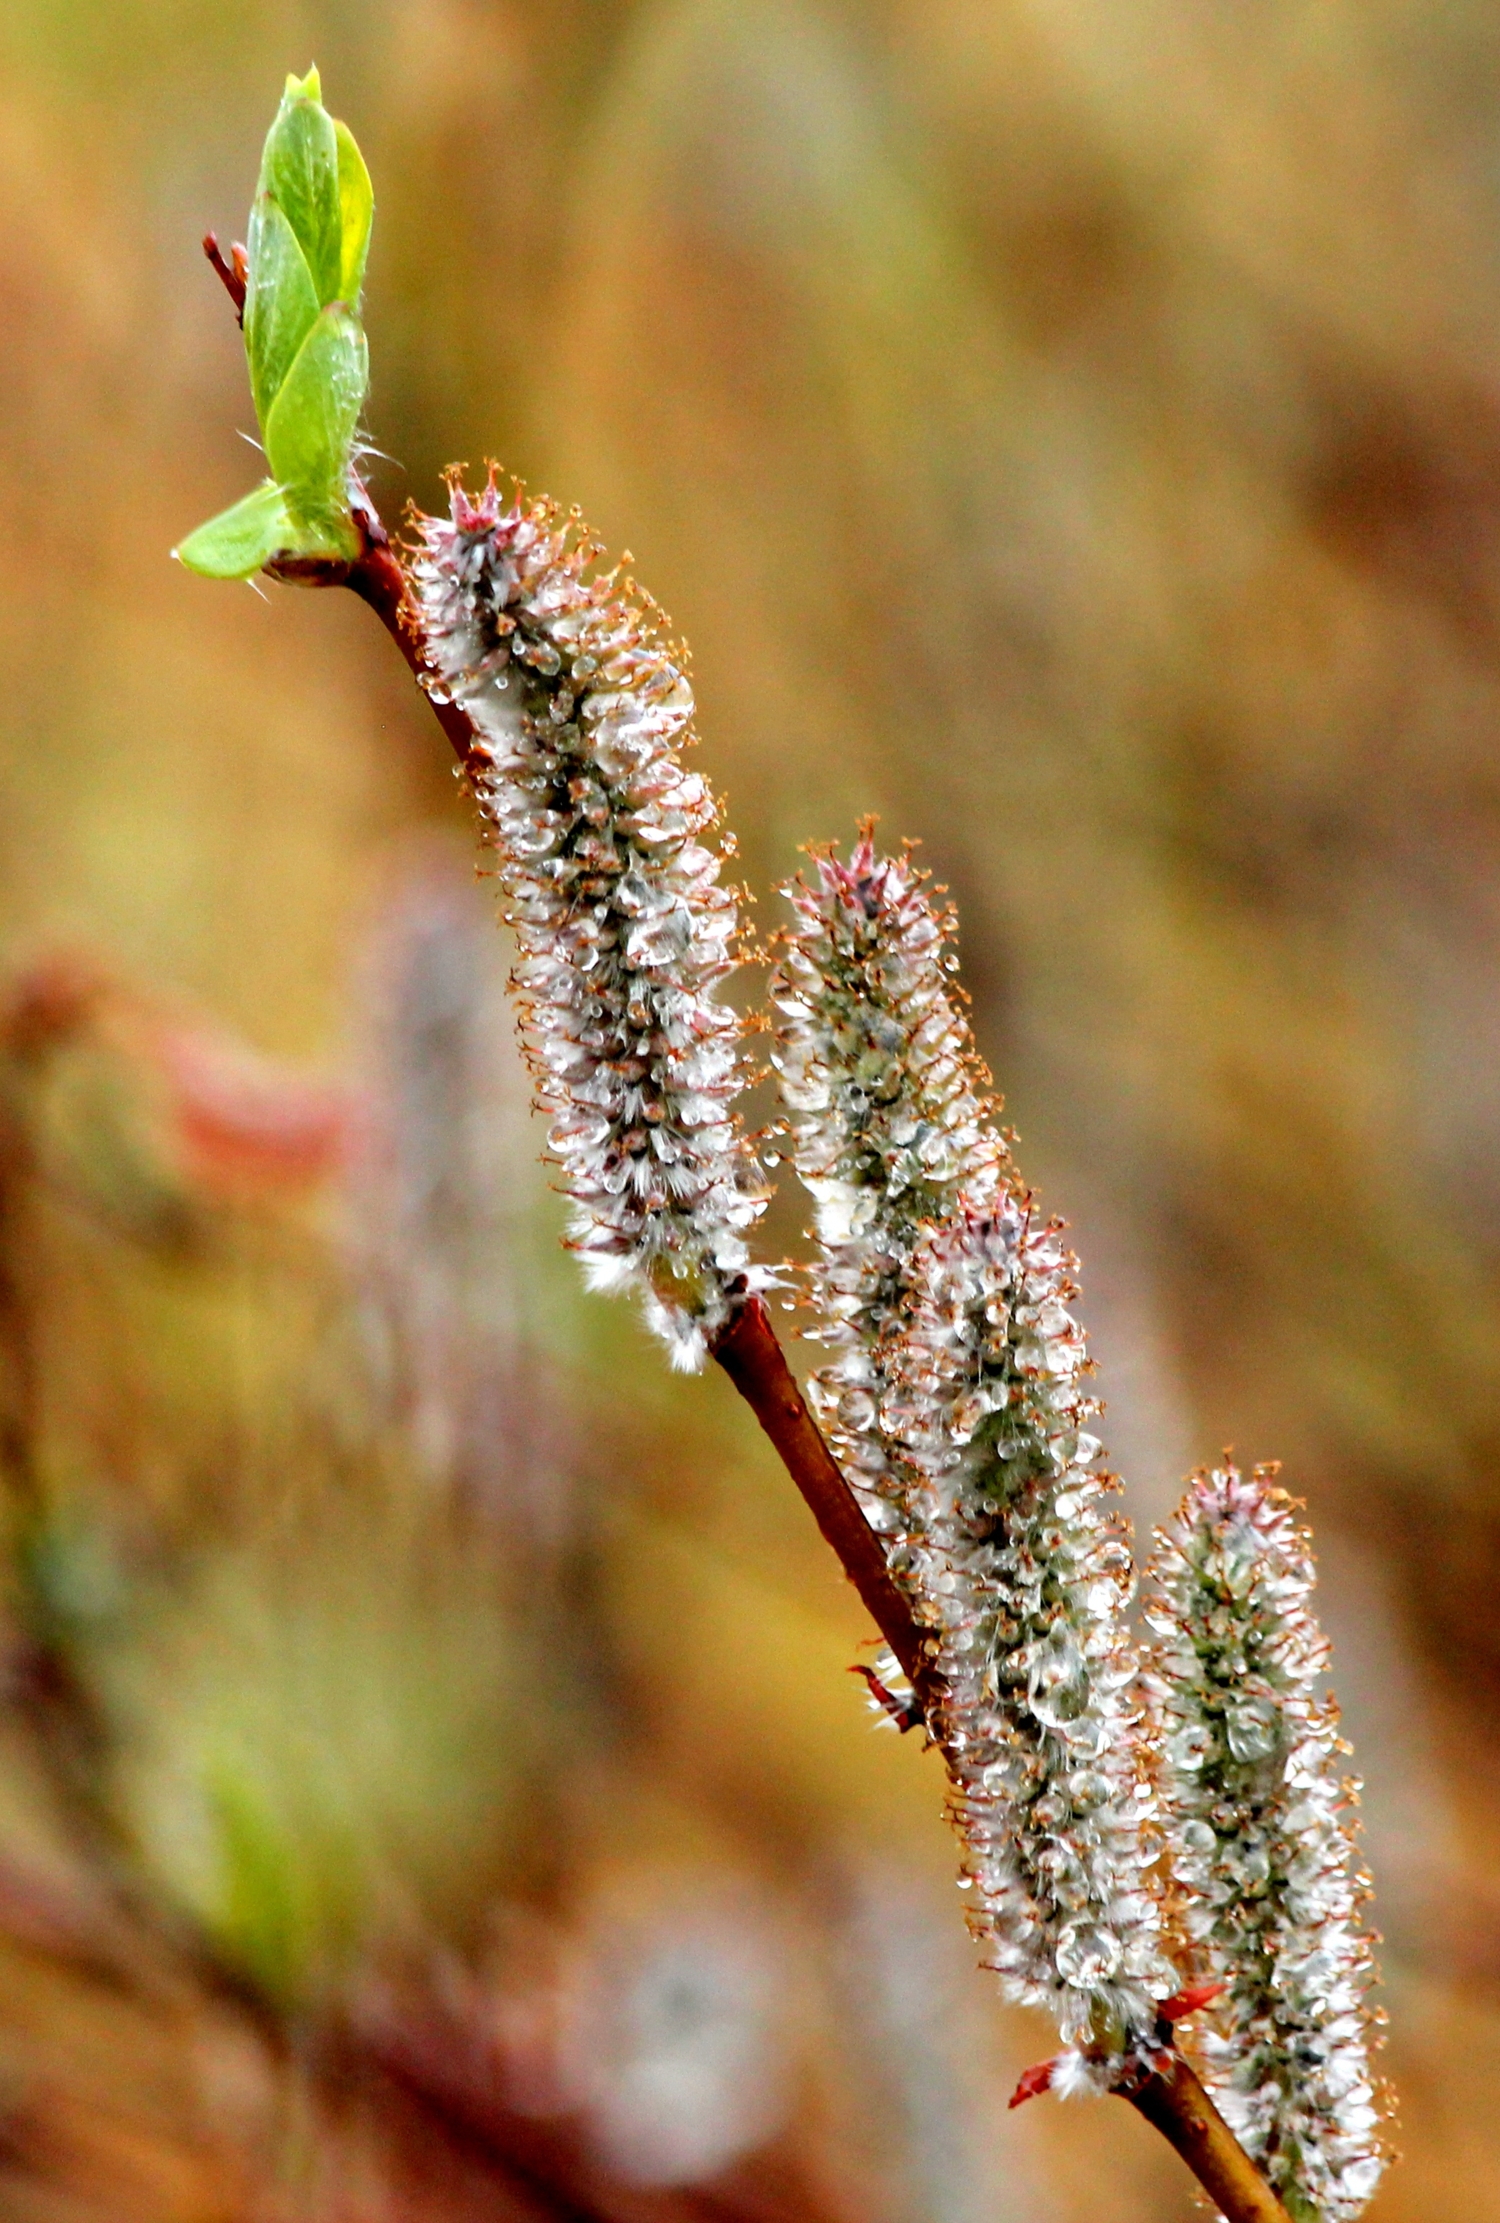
point(1034, 2081)
point(1189, 2000)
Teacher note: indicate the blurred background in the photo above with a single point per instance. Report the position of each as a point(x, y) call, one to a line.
point(429, 1782)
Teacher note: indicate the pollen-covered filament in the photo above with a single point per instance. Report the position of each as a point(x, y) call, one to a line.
point(580, 708)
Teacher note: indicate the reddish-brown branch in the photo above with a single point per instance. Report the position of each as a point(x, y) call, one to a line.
point(1172, 2099)
point(754, 1361)
point(1175, 2103)
point(377, 578)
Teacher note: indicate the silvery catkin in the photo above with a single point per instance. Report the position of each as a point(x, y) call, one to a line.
point(1259, 1824)
point(580, 709)
point(955, 1401)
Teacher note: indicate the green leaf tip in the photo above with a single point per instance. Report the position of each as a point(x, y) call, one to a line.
point(270, 525)
point(309, 238)
point(311, 167)
point(299, 170)
point(239, 540)
point(356, 214)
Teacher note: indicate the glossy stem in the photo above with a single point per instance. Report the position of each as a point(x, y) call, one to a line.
point(750, 1355)
point(1175, 2103)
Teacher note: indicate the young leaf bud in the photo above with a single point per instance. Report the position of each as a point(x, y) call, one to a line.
point(304, 344)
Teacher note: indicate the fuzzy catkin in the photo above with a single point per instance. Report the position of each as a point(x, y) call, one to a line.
point(894, 1129)
point(580, 708)
point(1259, 1824)
point(955, 1402)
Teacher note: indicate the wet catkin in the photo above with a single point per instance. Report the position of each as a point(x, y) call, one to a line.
point(1258, 1819)
point(956, 1404)
point(580, 709)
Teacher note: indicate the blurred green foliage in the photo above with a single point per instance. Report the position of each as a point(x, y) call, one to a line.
point(344, 1748)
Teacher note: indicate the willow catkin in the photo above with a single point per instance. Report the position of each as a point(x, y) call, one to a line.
point(1259, 1822)
point(580, 709)
point(956, 1402)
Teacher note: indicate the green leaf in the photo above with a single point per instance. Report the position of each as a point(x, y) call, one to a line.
point(356, 212)
point(310, 429)
point(300, 171)
point(308, 362)
point(325, 531)
point(281, 302)
point(239, 540)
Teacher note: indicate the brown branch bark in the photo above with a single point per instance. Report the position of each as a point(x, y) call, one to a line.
point(1172, 2099)
point(1175, 2103)
point(754, 1361)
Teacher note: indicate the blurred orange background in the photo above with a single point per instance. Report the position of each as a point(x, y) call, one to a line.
point(1072, 432)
